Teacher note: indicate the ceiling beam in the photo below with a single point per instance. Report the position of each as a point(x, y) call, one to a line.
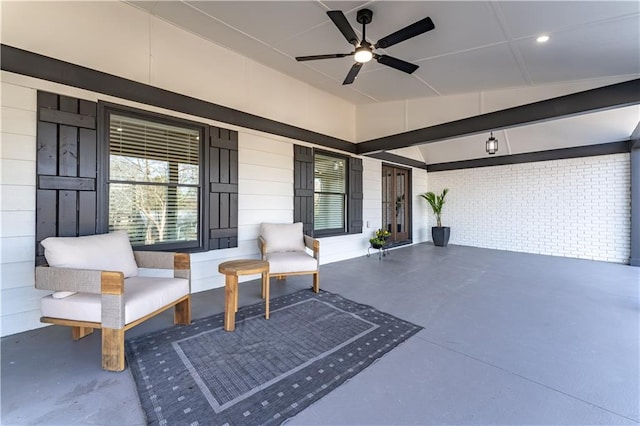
point(46, 68)
point(530, 157)
point(51, 69)
point(394, 158)
point(602, 98)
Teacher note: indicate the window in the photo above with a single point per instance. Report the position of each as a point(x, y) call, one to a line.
point(330, 193)
point(170, 183)
point(154, 181)
point(327, 192)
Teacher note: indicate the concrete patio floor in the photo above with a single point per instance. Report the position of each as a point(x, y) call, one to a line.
point(509, 338)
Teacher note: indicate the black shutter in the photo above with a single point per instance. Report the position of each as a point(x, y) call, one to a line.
point(223, 188)
point(66, 168)
point(303, 187)
point(354, 209)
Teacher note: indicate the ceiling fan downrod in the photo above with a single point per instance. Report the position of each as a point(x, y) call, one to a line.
point(364, 17)
point(364, 52)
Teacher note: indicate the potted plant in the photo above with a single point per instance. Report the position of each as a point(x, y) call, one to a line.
point(379, 238)
point(439, 234)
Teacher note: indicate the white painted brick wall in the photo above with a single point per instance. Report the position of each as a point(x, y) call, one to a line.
point(575, 208)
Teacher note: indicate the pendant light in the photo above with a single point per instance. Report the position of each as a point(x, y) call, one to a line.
point(492, 145)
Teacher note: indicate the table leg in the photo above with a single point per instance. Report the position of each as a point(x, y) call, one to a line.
point(235, 300)
point(265, 289)
point(230, 302)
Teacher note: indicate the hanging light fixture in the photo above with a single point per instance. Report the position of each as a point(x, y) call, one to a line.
point(492, 144)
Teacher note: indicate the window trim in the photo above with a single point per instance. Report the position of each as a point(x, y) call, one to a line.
point(105, 109)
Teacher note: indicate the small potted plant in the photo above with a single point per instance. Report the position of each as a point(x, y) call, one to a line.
point(440, 234)
point(379, 238)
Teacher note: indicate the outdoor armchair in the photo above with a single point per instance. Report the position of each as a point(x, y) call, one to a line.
point(96, 285)
point(289, 251)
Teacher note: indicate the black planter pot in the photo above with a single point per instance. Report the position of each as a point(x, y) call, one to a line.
point(440, 235)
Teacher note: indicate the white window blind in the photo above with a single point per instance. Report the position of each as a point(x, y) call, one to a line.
point(135, 140)
point(330, 192)
point(153, 180)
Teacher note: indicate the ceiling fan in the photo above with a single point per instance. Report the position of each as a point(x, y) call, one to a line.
point(364, 50)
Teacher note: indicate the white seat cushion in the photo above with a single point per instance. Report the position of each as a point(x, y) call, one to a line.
point(291, 261)
point(142, 296)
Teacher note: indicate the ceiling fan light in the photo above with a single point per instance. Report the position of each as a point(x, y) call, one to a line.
point(363, 55)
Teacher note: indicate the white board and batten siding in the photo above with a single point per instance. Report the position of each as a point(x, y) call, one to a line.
point(20, 309)
point(265, 195)
point(151, 46)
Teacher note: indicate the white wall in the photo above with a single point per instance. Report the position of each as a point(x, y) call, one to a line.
point(121, 40)
point(421, 211)
point(389, 118)
point(144, 49)
point(265, 194)
point(576, 208)
point(17, 209)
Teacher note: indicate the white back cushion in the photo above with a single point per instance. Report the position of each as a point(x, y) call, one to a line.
point(283, 236)
point(105, 252)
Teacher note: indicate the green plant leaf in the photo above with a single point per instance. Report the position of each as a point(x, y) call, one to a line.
point(436, 202)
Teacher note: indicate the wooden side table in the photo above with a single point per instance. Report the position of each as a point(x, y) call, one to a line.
point(232, 270)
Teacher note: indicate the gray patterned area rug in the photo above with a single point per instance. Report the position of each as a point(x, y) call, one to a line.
point(264, 372)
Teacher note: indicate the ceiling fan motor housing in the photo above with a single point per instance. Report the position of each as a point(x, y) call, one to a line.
point(364, 16)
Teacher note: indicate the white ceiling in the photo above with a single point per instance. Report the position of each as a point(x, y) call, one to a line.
point(476, 46)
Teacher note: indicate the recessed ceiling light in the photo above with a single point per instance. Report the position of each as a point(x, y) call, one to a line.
point(543, 39)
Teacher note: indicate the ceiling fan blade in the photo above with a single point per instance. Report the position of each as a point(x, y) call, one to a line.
point(412, 30)
point(314, 57)
point(396, 63)
point(343, 25)
point(353, 73)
